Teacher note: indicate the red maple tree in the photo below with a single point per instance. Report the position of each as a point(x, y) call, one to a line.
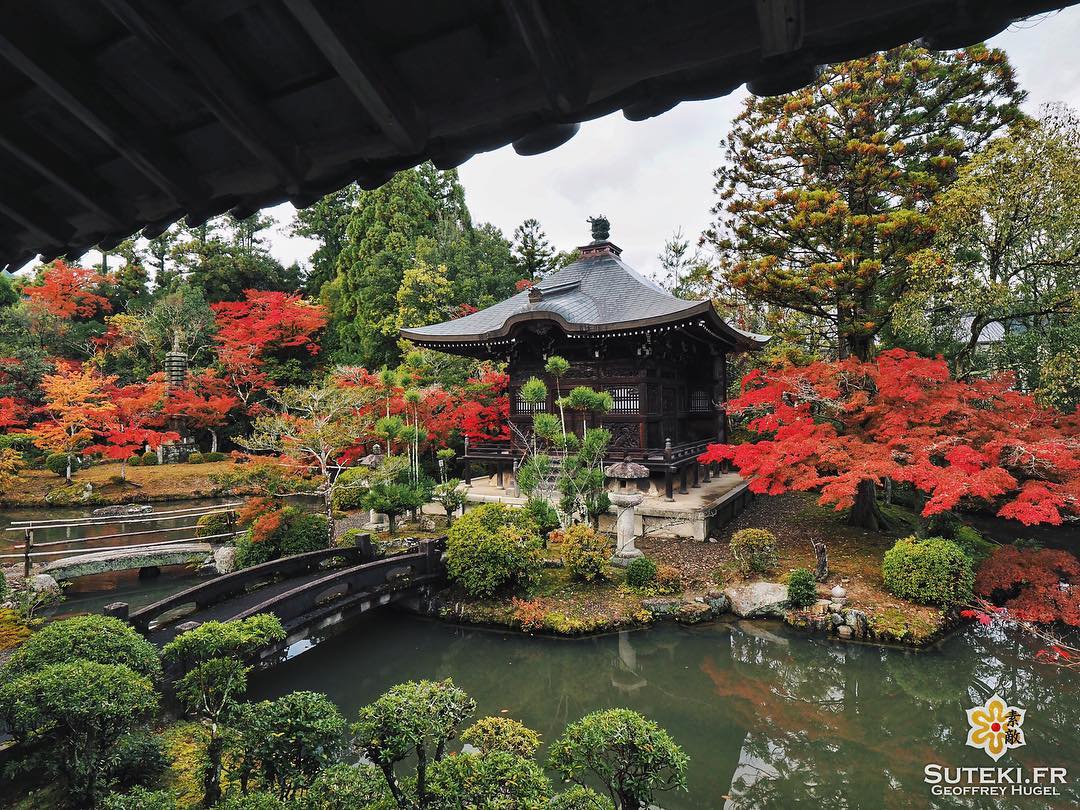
point(1034, 585)
point(841, 428)
point(204, 403)
point(69, 292)
point(135, 422)
point(12, 413)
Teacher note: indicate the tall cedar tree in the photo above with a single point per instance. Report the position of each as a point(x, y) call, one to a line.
point(839, 428)
point(824, 193)
point(380, 245)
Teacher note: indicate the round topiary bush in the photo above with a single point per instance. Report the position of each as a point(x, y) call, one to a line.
point(212, 457)
point(56, 463)
point(302, 532)
point(149, 459)
point(134, 461)
point(586, 552)
point(933, 571)
point(641, 573)
point(754, 551)
point(196, 458)
point(101, 639)
point(801, 588)
point(487, 551)
point(501, 734)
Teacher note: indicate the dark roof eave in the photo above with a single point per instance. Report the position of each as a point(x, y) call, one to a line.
point(738, 339)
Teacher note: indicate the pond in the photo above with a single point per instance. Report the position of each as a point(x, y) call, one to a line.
point(90, 594)
point(769, 717)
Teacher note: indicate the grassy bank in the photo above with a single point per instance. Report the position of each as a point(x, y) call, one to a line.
point(169, 482)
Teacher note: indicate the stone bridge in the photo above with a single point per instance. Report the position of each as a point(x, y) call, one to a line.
point(141, 558)
point(309, 593)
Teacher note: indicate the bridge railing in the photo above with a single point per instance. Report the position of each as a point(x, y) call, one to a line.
point(239, 582)
point(371, 578)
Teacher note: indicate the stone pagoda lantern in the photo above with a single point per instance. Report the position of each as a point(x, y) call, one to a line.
point(625, 500)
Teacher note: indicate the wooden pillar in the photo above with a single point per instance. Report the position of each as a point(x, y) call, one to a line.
point(467, 471)
point(28, 544)
point(669, 472)
point(682, 481)
point(697, 475)
point(499, 474)
point(708, 472)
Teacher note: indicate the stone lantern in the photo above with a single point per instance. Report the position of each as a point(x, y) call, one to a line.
point(625, 501)
point(376, 520)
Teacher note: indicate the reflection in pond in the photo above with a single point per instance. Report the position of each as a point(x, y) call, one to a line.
point(770, 718)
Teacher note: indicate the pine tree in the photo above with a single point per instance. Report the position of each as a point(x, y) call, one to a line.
point(533, 255)
point(825, 192)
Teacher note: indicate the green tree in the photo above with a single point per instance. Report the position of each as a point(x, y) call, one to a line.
point(286, 742)
point(495, 779)
point(326, 221)
point(425, 295)
point(533, 255)
point(78, 711)
point(211, 658)
point(101, 639)
point(632, 757)
point(417, 718)
point(380, 245)
point(825, 192)
point(1007, 250)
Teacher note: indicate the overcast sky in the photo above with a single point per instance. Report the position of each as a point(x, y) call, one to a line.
point(654, 176)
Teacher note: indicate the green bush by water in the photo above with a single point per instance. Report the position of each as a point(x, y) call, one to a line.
point(932, 571)
point(641, 573)
point(802, 588)
point(586, 552)
point(488, 550)
point(754, 551)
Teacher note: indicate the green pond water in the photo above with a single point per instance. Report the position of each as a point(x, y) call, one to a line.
point(769, 717)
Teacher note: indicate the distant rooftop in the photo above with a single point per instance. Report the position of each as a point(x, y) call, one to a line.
point(597, 294)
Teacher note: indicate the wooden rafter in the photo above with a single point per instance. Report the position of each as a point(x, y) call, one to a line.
point(38, 155)
point(164, 29)
point(559, 63)
point(66, 82)
point(374, 83)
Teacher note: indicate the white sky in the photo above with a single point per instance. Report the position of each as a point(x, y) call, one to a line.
point(654, 176)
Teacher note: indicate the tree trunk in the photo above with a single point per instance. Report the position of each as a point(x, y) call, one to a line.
point(212, 774)
point(821, 555)
point(67, 473)
point(331, 527)
point(213, 440)
point(865, 511)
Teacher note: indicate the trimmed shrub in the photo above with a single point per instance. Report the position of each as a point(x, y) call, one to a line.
point(215, 524)
point(302, 532)
point(586, 552)
point(487, 551)
point(149, 459)
point(641, 573)
point(579, 798)
point(933, 571)
point(754, 551)
point(345, 787)
point(137, 758)
point(349, 492)
point(215, 456)
point(501, 734)
point(135, 461)
point(196, 458)
point(668, 579)
point(56, 463)
point(139, 798)
point(801, 588)
point(100, 639)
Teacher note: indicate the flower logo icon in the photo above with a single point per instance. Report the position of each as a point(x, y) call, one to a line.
point(996, 727)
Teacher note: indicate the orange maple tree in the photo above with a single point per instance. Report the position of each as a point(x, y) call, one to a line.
point(841, 428)
point(77, 400)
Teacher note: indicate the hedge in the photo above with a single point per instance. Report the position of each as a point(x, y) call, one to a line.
point(933, 571)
